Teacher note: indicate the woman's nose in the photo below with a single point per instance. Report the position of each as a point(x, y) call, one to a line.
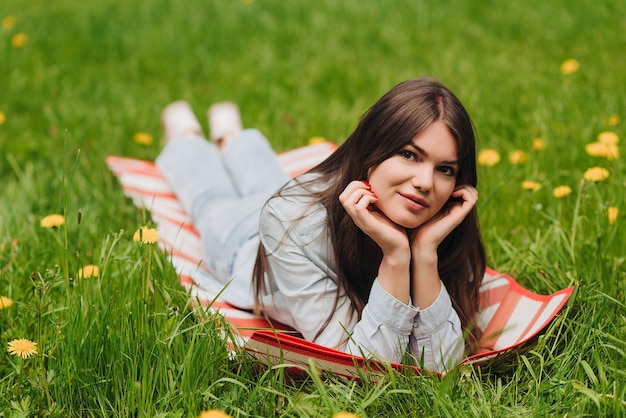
point(422, 178)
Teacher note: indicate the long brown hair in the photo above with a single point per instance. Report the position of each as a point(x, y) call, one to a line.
point(389, 125)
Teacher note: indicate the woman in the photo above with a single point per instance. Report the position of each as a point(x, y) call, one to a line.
point(376, 251)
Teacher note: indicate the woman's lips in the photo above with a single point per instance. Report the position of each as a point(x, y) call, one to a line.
point(414, 202)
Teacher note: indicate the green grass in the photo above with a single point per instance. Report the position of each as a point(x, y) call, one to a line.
point(92, 74)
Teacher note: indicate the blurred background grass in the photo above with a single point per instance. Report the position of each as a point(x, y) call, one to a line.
point(91, 75)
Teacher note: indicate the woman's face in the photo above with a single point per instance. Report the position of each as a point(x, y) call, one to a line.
point(414, 184)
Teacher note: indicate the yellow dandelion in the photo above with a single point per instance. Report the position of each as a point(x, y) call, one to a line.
point(569, 66)
point(596, 174)
point(8, 22)
point(611, 213)
point(608, 137)
point(5, 302)
point(599, 149)
point(146, 235)
point(613, 120)
point(214, 413)
point(22, 347)
point(562, 191)
point(3, 118)
point(317, 140)
point(596, 149)
point(88, 271)
point(518, 157)
point(538, 144)
point(344, 414)
point(143, 138)
point(488, 157)
point(19, 39)
point(530, 185)
point(612, 152)
point(52, 221)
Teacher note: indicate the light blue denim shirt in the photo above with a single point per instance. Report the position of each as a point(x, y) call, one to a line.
point(304, 289)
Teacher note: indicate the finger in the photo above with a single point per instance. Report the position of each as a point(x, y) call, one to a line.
point(460, 210)
point(352, 187)
point(358, 204)
point(466, 193)
point(354, 192)
point(465, 189)
point(360, 198)
point(365, 201)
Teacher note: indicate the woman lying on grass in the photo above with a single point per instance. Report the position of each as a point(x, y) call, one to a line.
point(376, 251)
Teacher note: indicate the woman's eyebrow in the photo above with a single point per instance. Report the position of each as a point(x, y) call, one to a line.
point(423, 152)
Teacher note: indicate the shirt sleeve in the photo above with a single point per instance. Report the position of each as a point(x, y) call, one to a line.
point(436, 340)
point(384, 329)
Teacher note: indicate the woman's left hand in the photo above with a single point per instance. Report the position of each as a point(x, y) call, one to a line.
point(429, 235)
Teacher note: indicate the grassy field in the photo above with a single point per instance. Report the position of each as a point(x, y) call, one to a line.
point(78, 80)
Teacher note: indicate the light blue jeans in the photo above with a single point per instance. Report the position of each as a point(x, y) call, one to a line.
point(223, 193)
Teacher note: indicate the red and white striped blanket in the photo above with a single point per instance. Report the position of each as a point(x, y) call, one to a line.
point(509, 314)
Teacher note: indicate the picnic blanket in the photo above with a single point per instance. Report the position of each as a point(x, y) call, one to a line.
point(509, 314)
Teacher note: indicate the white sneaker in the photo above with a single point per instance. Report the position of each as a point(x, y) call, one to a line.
point(224, 121)
point(178, 120)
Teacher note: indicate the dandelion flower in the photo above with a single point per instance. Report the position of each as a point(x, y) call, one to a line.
point(613, 120)
point(3, 118)
point(518, 157)
point(569, 66)
point(5, 302)
point(19, 39)
point(600, 149)
point(344, 414)
point(317, 140)
point(596, 149)
point(530, 185)
point(52, 221)
point(488, 157)
point(608, 138)
point(596, 174)
point(8, 22)
point(611, 213)
point(88, 271)
point(143, 138)
point(146, 235)
point(214, 413)
point(538, 144)
point(22, 347)
point(562, 191)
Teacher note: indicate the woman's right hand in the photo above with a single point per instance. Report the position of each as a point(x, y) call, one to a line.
point(359, 201)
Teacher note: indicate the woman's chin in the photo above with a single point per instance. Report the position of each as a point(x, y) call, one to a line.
point(408, 224)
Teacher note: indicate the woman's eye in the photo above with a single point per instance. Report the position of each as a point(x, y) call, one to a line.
point(448, 171)
point(408, 155)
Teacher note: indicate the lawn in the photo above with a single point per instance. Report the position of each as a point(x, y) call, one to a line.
point(541, 79)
